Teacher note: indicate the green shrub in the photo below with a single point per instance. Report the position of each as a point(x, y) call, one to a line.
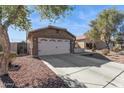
point(12, 56)
point(116, 49)
point(1, 49)
point(105, 51)
point(1, 54)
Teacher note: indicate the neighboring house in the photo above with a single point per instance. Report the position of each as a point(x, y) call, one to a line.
point(49, 41)
point(83, 42)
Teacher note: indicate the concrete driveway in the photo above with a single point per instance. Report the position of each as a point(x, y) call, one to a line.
point(88, 71)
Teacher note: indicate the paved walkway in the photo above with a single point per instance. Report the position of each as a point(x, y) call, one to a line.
point(90, 72)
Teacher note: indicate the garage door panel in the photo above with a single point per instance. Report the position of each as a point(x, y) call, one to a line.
point(47, 46)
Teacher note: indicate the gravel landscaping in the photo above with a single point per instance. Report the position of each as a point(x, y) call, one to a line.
point(116, 57)
point(32, 73)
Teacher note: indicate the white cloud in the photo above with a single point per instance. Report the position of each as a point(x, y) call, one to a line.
point(87, 16)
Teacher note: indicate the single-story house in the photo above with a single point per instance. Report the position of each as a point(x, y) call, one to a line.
point(50, 40)
point(80, 41)
point(83, 42)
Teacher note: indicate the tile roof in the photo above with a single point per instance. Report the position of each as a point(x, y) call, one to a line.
point(82, 37)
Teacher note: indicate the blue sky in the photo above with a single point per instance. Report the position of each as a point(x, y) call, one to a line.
point(77, 22)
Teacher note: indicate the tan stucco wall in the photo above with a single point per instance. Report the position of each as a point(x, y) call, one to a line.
point(81, 44)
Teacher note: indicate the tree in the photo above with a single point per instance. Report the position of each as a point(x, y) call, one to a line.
point(0, 48)
point(93, 33)
point(18, 17)
point(107, 24)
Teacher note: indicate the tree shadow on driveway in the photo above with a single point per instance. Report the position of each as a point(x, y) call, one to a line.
point(7, 81)
point(60, 82)
point(97, 56)
point(73, 60)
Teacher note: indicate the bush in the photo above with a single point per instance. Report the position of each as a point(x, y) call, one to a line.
point(1, 49)
point(12, 56)
point(105, 51)
point(93, 49)
point(116, 49)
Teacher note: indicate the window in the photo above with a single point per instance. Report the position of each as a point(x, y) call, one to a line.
point(59, 40)
point(43, 39)
point(66, 40)
point(52, 40)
